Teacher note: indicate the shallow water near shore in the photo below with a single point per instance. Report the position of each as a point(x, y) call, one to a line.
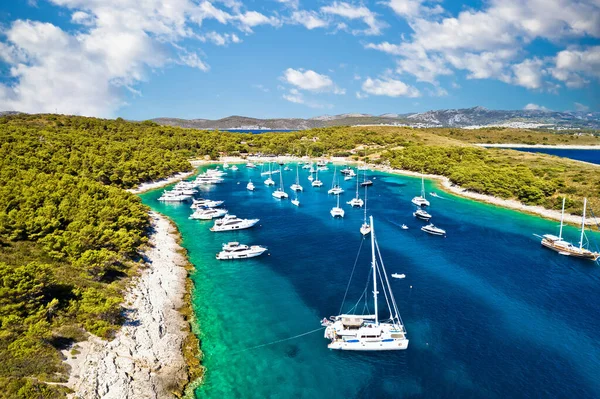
point(490, 313)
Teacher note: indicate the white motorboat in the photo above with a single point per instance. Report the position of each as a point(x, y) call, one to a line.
point(346, 171)
point(279, 193)
point(234, 168)
point(250, 186)
point(422, 214)
point(174, 196)
point(356, 201)
point(208, 213)
point(296, 202)
point(431, 229)
point(365, 228)
point(287, 168)
point(225, 165)
point(235, 250)
point(404, 227)
point(296, 186)
point(396, 275)
point(563, 247)
point(336, 211)
point(359, 332)
point(250, 165)
point(310, 177)
point(205, 203)
point(232, 222)
point(307, 165)
point(421, 200)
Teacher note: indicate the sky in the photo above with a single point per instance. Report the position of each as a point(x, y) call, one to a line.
point(141, 59)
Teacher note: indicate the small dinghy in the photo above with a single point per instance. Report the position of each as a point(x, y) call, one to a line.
point(396, 275)
point(404, 227)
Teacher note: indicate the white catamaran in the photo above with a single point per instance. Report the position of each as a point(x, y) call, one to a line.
point(563, 247)
point(421, 200)
point(356, 201)
point(296, 186)
point(357, 332)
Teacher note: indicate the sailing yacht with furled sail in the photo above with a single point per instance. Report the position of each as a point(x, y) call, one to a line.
point(317, 182)
point(279, 193)
point(421, 200)
point(563, 247)
point(296, 186)
point(335, 186)
point(366, 227)
point(269, 181)
point(357, 332)
point(356, 201)
point(336, 211)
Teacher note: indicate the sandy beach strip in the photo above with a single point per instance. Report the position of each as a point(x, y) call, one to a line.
point(145, 359)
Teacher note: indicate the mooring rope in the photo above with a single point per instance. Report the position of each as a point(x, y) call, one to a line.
point(279, 340)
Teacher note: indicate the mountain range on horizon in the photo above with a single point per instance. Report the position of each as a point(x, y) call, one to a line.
point(462, 118)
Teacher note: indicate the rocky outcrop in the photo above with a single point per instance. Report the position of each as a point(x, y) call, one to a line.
point(145, 359)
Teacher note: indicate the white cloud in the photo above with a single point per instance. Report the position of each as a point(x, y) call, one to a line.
point(310, 19)
point(220, 39)
point(89, 70)
point(492, 42)
point(261, 87)
point(251, 19)
point(311, 81)
point(296, 97)
point(294, 4)
point(352, 12)
point(529, 73)
point(360, 95)
point(390, 87)
point(535, 107)
point(581, 107)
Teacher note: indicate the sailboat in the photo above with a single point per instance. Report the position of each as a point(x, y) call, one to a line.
point(317, 182)
point(279, 193)
point(269, 181)
point(358, 332)
point(365, 228)
point(356, 201)
point(421, 200)
point(336, 211)
point(296, 186)
point(566, 248)
point(295, 201)
point(366, 182)
point(335, 187)
point(250, 186)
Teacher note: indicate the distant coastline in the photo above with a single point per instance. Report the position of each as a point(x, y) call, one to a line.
point(548, 146)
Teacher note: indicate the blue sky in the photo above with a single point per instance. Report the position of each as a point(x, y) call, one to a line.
point(140, 59)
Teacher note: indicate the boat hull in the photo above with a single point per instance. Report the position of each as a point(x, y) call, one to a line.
point(573, 252)
point(397, 345)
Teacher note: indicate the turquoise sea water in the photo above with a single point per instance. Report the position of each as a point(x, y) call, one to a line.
point(491, 314)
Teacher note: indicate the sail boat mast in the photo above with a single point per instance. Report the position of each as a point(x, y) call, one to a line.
point(374, 265)
point(365, 203)
point(582, 223)
point(562, 216)
point(422, 185)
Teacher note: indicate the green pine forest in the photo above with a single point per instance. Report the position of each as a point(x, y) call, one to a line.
point(71, 236)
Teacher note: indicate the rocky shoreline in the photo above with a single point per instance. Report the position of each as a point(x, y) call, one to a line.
point(145, 359)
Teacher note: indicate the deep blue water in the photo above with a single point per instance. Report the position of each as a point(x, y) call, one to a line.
point(489, 312)
point(592, 156)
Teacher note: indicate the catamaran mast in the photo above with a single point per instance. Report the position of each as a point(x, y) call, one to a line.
point(422, 185)
point(357, 185)
point(562, 216)
point(365, 202)
point(582, 223)
point(374, 269)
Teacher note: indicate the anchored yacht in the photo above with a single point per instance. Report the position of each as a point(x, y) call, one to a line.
point(356, 201)
point(431, 229)
point(422, 214)
point(336, 211)
point(279, 193)
point(296, 186)
point(205, 203)
point(232, 222)
point(358, 332)
point(250, 186)
point(335, 186)
point(174, 196)
point(235, 250)
point(208, 213)
point(421, 200)
point(566, 248)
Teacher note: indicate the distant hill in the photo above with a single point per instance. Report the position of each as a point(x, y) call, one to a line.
point(463, 118)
